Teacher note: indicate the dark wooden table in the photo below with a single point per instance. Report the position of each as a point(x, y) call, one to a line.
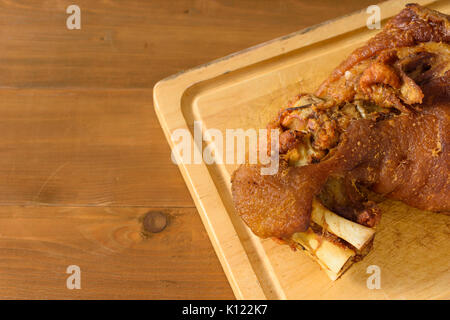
point(82, 156)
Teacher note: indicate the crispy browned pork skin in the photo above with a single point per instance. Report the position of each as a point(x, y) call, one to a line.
point(380, 122)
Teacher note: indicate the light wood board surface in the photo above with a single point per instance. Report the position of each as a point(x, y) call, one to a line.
point(245, 90)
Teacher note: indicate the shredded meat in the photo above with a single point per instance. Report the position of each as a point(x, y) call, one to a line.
point(412, 26)
point(381, 122)
point(406, 158)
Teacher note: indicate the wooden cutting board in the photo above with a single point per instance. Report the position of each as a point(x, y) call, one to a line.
point(245, 90)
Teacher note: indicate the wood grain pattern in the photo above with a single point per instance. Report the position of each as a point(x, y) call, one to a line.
point(250, 87)
point(78, 129)
point(135, 43)
point(117, 260)
point(85, 147)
